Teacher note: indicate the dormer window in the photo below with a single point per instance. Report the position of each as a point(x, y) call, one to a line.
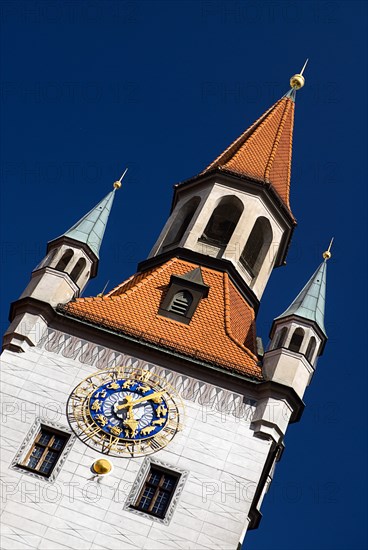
point(183, 296)
point(181, 302)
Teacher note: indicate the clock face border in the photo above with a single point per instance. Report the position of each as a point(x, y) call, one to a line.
point(92, 434)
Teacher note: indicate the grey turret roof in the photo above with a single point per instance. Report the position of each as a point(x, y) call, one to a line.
point(310, 302)
point(91, 228)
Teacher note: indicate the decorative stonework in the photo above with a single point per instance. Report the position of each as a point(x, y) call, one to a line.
point(28, 441)
point(138, 484)
point(190, 389)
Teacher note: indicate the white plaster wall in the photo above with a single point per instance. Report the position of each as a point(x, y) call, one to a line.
point(223, 457)
point(51, 286)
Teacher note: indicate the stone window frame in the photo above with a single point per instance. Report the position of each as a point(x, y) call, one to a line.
point(141, 479)
point(28, 441)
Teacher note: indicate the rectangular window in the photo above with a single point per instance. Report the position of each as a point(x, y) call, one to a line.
point(157, 492)
point(45, 451)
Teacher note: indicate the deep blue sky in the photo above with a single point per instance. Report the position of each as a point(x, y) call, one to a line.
point(89, 88)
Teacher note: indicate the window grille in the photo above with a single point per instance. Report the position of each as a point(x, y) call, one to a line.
point(157, 492)
point(45, 451)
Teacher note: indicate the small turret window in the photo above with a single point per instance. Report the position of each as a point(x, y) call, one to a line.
point(280, 338)
point(257, 246)
point(64, 260)
point(78, 269)
point(181, 303)
point(311, 348)
point(223, 221)
point(296, 340)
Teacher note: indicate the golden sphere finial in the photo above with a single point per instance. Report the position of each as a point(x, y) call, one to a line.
point(117, 184)
point(102, 467)
point(297, 81)
point(327, 254)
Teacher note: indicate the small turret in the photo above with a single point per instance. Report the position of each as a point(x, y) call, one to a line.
point(298, 336)
point(71, 261)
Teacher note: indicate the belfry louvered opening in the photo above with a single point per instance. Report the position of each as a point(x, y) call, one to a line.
point(183, 296)
point(181, 302)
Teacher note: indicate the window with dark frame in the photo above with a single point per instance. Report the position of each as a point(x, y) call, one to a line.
point(45, 451)
point(157, 492)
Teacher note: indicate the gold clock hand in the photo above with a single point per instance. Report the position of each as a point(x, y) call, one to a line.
point(130, 421)
point(154, 396)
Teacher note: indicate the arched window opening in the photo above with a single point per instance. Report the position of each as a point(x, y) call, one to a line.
point(257, 246)
point(296, 340)
point(311, 348)
point(223, 221)
point(182, 221)
point(64, 260)
point(280, 338)
point(181, 302)
point(78, 269)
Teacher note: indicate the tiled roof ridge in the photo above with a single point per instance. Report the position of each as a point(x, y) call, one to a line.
point(139, 279)
point(271, 176)
point(121, 285)
point(247, 134)
point(276, 142)
point(227, 319)
point(253, 136)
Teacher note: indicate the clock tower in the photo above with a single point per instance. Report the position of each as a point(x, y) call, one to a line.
point(150, 416)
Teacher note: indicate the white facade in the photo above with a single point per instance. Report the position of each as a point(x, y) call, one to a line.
point(217, 448)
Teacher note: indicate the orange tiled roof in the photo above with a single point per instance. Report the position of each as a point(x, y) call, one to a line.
point(264, 150)
point(222, 330)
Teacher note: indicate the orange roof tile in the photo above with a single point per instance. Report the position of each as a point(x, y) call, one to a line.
point(264, 150)
point(218, 330)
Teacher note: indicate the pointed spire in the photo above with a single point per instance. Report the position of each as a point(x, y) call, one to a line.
point(310, 302)
point(264, 150)
point(91, 228)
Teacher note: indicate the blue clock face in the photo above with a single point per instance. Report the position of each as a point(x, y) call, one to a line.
point(125, 411)
point(129, 409)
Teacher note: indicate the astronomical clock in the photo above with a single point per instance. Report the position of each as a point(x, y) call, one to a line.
point(125, 412)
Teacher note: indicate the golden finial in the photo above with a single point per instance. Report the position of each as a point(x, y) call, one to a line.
point(117, 184)
point(327, 254)
point(297, 81)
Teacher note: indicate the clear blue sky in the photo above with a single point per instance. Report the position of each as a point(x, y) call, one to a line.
point(89, 88)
